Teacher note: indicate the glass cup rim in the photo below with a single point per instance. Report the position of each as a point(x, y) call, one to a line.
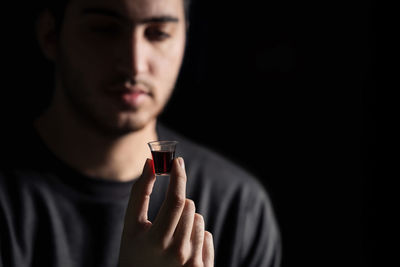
point(162, 142)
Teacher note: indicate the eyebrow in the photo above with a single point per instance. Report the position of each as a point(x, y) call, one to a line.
point(115, 14)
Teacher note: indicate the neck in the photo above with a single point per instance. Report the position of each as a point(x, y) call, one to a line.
point(93, 154)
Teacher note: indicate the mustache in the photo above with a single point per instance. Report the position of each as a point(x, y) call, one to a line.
point(127, 81)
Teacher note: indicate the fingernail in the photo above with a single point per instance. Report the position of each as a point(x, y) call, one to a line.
point(153, 171)
point(181, 162)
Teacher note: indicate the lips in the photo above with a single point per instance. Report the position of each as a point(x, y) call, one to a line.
point(132, 96)
point(136, 88)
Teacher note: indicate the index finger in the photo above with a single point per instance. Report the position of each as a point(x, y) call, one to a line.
point(171, 210)
point(136, 213)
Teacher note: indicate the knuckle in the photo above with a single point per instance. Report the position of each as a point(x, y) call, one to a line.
point(195, 262)
point(181, 177)
point(178, 201)
point(181, 255)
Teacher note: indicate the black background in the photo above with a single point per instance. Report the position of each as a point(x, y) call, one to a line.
point(284, 88)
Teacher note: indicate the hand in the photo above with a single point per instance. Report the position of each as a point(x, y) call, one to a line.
point(177, 236)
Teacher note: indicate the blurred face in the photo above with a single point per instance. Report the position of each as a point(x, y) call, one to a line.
point(118, 60)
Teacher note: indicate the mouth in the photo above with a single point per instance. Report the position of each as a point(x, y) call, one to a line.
point(136, 88)
point(132, 96)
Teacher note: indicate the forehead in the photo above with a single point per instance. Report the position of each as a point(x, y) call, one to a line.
point(132, 9)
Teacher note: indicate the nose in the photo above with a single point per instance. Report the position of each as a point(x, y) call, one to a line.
point(139, 54)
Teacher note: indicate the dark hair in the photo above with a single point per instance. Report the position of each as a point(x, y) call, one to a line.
point(57, 8)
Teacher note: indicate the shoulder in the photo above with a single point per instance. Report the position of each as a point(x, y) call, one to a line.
point(18, 143)
point(208, 168)
point(236, 206)
point(21, 162)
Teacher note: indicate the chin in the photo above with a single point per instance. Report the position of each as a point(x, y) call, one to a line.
point(127, 124)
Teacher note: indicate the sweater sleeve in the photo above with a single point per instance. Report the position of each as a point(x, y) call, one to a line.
point(261, 242)
point(1, 257)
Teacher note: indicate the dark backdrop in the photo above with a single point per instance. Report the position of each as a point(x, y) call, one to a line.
point(284, 88)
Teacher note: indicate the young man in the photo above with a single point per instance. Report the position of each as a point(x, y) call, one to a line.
point(73, 190)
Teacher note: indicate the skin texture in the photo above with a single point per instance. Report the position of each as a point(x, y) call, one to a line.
point(177, 236)
point(116, 63)
point(104, 50)
point(99, 54)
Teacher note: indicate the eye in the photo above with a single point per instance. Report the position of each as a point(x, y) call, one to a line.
point(107, 28)
point(156, 33)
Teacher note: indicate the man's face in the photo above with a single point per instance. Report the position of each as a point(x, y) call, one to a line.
point(118, 60)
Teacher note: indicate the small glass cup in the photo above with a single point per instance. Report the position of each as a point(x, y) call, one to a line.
point(163, 153)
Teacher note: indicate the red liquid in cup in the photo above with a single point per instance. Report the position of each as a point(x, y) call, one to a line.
point(162, 161)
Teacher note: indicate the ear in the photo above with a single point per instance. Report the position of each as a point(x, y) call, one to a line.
point(46, 34)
